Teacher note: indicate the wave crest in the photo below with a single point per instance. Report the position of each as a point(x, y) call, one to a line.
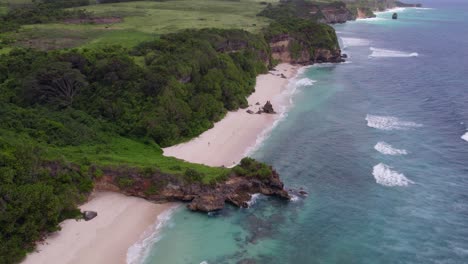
point(387, 149)
point(138, 251)
point(305, 82)
point(384, 175)
point(354, 42)
point(465, 136)
point(389, 123)
point(383, 53)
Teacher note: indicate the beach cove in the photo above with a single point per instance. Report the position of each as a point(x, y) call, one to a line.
point(123, 222)
point(239, 132)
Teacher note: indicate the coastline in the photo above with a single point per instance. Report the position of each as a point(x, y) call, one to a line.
point(121, 222)
point(239, 132)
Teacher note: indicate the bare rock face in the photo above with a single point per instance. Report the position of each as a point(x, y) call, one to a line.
point(88, 215)
point(237, 190)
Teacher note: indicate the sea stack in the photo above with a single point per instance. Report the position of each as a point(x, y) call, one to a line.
point(395, 16)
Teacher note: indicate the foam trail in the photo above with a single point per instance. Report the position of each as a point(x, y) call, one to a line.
point(354, 42)
point(388, 149)
point(254, 199)
point(389, 123)
point(138, 251)
point(384, 175)
point(465, 136)
point(383, 53)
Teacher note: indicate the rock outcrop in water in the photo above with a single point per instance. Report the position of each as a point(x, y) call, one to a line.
point(395, 16)
point(159, 187)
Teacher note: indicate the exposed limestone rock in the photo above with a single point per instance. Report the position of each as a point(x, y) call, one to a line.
point(335, 13)
point(236, 189)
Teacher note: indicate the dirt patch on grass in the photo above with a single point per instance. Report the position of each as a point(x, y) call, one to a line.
point(94, 20)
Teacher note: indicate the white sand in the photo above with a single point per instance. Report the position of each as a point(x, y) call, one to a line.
point(229, 140)
point(120, 223)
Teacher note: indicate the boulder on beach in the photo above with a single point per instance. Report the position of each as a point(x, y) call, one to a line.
point(88, 215)
point(268, 108)
point(249, 111)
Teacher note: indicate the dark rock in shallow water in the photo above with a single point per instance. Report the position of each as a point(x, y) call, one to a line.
point(395, 16)
point(344, 56)
point(88, 215)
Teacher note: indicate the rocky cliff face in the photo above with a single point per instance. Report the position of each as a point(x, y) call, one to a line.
point(159, 187)
point(335, 13)
point(281, 51)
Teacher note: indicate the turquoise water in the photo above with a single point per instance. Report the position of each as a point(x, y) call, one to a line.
point(376, 142)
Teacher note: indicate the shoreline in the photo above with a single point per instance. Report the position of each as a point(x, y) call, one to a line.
point(239, 132)
point(122, 222)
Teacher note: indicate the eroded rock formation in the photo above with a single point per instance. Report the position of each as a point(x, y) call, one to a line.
point(160, 187)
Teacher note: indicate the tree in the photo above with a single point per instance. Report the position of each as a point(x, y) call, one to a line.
point(57, 83)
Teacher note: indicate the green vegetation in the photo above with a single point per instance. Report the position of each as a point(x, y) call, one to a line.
point(249, 167)
point(103, 107)
point(142, 21)
point(68, 114)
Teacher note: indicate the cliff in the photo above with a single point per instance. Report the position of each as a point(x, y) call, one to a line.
point(236, 189)
point(335, 13)
point(366, 9)
point(287, 49)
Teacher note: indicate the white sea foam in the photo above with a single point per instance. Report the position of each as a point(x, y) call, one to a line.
point(370, 19)
point(388, 149)
point(354, 42)
point(383, 53)
point(253, 199)
point(305, 82)
point(138, 251)
point(204, 262)
point(294, 198)
point(389, 123)
point(465, 136)
point(384, 175)
point(392, 10)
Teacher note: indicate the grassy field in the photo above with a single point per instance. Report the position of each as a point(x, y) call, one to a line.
point(132, 153)
point(144, 20)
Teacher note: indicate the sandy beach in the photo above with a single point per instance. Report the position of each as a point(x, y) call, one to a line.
point(121, 222)
point(232, 137)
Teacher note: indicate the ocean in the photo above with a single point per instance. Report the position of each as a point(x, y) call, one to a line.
point(380, 144)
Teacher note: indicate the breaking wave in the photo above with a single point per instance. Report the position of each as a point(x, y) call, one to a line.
point(354, 42)
point(383, 53)
point(388, 149)
point(389, 123)
point(305, 82)
point(253, 199)
point(465, 136)
point(138, 251)
point(384, 175)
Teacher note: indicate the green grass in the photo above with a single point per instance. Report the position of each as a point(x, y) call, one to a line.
point(144, 20)
point(121, 151)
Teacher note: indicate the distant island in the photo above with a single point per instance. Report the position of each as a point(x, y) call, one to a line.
point(88, 100)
